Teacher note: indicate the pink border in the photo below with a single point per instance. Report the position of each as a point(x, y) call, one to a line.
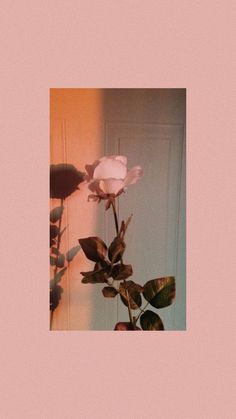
point(117, 44)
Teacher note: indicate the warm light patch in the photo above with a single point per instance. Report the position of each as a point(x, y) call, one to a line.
point(76, 137)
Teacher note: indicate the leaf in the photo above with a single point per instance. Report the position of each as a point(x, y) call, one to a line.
point(64, 180)
point(94, 248)
point(102, 264)
point(54, 230)
point(62, 231)
point(116, 249)
point(95, 277)
point(56, 214)
point(55, 296)
point(121, 271)
point(134, 291)
point(109, 292)
point(124, 226)
point(160, 292)
point(72, 253)
point(55, 251)
point(151, 321)
point(52, 261)
point(52, 242)
point(60, 261)
point(57, 277)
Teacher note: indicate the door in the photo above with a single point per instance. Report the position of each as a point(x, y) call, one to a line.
point(155, 237)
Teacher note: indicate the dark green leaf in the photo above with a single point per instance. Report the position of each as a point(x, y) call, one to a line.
point(121, 271)
point(56, 214)
point(94, 248)
point(94, 277)
point(151, 321)
point(133, 291)
point(60, 261)
point(160, 292)
point(54, 230)
point(72, 253)
point(55, 296)
point(109, 292)
point(116, 249)
point(55, 251)
point(57, 277)
point(52, 242)
point(52, 261)
point(102, 264)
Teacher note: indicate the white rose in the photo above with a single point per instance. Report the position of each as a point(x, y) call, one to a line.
point(109, 176)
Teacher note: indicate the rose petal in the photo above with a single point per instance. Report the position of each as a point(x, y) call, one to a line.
point(90, 169)
point(94, 187)
point(111, 186)
point(133, 175)
point(123, 159)
point(110, 168)
point(93, 198)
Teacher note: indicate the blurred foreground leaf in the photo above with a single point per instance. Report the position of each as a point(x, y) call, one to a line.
point(72, 253)
point(54, 230)
point(56, 214)
point(57, 277)
point(55, 296)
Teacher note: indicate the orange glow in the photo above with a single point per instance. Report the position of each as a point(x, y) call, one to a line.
point(76, 137)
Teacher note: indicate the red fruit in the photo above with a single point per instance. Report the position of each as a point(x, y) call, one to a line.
point(122, 326)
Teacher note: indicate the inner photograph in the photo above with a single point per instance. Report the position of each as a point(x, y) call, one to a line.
point(117, 209)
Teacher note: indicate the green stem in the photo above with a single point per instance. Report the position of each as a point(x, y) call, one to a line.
point(117, 232)
point(142, 310)
point(115, 216)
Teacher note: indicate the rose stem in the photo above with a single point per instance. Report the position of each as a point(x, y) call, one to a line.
point(57, 255)
point(142, 310)
point(117, 232)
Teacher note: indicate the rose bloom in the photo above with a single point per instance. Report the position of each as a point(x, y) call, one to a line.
point(109, 176)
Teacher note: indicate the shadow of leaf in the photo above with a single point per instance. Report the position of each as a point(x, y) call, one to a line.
point(64, 180)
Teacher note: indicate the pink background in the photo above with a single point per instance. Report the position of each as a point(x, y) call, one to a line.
point(106, 374)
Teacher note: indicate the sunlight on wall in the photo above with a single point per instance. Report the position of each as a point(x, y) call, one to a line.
point(77, 132)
